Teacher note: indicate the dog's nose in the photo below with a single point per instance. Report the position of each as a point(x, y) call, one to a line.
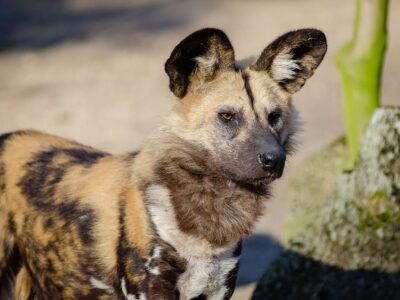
point(272, 161)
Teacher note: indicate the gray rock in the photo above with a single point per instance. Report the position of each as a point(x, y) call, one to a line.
point(351, 250)
point(378, 169)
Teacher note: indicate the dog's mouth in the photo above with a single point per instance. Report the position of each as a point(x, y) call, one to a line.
point(264, 180)
point(258, 185)
point(267, 178)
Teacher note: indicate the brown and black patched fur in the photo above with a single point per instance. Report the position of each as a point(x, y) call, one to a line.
point(166, 222)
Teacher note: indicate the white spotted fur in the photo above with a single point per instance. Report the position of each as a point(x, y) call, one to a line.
point(156, 255)
point(207, 266)
point(98, 284)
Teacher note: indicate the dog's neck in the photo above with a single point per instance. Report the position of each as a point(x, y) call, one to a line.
point(205, 204)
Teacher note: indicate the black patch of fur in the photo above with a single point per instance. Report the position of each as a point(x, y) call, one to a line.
point(7, 279)
point(84, 218)
point(238, 250)
point(181, 63)
point(3, 139)
point(41, 178)
point(49, 223)
point(43, 175)
point(83, 156)
point(249, 91)
point(2, 179)
point(260, 189)
point(230, 282)
point(200, 297)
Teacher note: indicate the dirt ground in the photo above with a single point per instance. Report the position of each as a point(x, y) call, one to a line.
point(93, 70)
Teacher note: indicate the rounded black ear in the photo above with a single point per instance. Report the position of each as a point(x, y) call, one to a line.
point(292, 58)
point(204, 53)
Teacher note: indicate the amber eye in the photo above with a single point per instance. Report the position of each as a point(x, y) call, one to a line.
point(226, 116)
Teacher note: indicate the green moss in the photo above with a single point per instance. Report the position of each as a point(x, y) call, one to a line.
point(352, 234)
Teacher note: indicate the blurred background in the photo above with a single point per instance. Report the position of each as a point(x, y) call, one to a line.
point(93, 71)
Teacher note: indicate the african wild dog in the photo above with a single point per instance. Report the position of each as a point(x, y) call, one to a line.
point(166, 222)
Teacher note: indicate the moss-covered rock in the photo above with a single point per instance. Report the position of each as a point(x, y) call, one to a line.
point(312, 185)
point(350, 248)
point(378, 168)
point(355, 233)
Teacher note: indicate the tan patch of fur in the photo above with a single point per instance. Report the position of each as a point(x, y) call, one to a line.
point(23, 285)
point(100, 188)
point(137, 222)
point(39, 233)
point(191, 118)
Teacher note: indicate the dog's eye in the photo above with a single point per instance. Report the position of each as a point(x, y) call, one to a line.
point(226, 116)
point(274, 117)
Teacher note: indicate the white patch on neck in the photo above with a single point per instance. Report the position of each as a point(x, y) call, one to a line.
point(284, 67)
point(207, 266)
point(101, 285)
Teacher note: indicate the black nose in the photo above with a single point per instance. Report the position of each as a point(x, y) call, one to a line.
point(272, 161)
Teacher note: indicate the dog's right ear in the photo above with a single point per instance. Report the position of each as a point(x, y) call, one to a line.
point(198, 58)
point(293, 57)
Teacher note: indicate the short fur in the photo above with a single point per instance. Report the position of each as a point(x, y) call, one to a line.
point(166, 222)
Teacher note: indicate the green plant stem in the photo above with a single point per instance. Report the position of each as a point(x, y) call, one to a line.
point(360, 64)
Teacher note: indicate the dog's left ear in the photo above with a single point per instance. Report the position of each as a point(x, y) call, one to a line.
point(198, 58)
point(292, 58)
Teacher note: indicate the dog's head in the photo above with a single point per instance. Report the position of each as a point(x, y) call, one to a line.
point(242, 118)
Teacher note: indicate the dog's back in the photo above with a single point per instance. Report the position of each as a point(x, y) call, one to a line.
point(59, 201)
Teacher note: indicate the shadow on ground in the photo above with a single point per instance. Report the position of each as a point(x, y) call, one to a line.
point(294, 276)
point(258, 252)
point(40, 24)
